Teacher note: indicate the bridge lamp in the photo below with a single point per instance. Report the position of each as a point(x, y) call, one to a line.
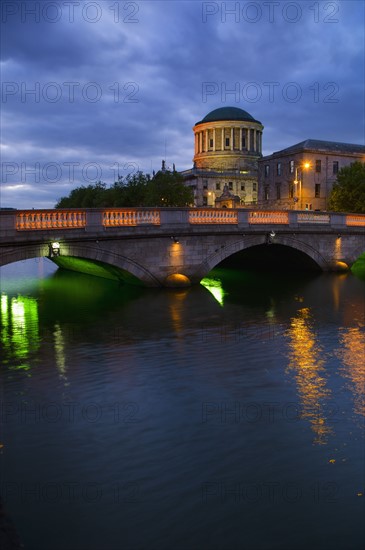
point(54, 249)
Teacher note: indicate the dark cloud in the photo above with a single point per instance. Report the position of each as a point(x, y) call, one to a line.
point(119, 85)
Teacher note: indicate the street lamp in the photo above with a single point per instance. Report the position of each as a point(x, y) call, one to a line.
point(298, 184)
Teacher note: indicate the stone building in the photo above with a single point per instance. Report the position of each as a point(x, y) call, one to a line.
point(301, 177)
point(228, 146)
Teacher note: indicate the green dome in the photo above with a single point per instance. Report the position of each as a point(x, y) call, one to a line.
point(228, 113)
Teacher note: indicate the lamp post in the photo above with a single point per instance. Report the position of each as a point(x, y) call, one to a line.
point(298, 182)
point(297, 190)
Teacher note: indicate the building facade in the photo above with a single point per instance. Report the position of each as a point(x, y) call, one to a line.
point(302, 176)
point(228, 146)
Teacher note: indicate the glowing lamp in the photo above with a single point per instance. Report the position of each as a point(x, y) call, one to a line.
point(54, 249)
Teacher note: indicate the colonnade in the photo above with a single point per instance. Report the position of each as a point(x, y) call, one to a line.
point(206, 140)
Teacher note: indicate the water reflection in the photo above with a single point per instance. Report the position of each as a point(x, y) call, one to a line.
point(306, 361)
point(352, 355)
point(19, 330)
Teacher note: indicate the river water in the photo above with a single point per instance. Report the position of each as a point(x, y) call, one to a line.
point(224, 416)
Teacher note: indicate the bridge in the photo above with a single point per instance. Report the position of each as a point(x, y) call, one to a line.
point(174, 246)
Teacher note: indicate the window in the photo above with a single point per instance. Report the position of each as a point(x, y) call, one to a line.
point(230, 186)
point(308, 206)
point(267, 170)
point(291, 167)
point(205, 201)
point(242, 187)
point(278, 169)
point(218, 186)
point(266, 193)
point(318, 166)
point(278, 191)
point(243, 141)
point(254, 187)
point(291, 190)
point(317, 190)
point(205, 184)
point(227, 142)
point(335, 166)
point(211, 143)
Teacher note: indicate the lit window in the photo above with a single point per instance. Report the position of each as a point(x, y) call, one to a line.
point(291, 167)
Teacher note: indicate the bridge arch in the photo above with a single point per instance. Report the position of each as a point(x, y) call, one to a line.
point(93, 252)
point(247, 242)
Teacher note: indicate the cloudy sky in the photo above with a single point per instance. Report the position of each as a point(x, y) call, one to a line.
point(93, 89)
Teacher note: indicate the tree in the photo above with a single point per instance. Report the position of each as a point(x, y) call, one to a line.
point(167, 189)
point(348, 193)
point(91, 196)
point(164, 189)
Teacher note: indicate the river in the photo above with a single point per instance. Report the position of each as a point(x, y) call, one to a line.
point(225, 416)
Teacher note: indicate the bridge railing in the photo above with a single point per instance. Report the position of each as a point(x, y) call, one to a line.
point(118, 218)
point(213, 215)
point(357, 220)
point(313, 217)
point(268, 217)
point(32, 220)
point(95, 220)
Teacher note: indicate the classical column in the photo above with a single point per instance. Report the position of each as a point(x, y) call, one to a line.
point(232, 135)
point(213, 139)
point(200, 142)
point(254, 140)
point(248, 139)
point(196, 143)
point(240, 139)
point(222, 139)
point(206, 140)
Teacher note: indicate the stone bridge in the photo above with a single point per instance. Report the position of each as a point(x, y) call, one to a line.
point(174, 246)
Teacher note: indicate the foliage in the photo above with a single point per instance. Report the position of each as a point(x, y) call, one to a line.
point(348, 193)
point(164, 189)
point(167, 189)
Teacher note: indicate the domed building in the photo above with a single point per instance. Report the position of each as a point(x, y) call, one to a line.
point(228, 145)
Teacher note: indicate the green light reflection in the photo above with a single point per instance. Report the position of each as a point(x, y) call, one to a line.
point(215, 288)
point(19, 330)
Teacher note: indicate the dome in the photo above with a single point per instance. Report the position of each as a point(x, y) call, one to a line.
point(227, 113)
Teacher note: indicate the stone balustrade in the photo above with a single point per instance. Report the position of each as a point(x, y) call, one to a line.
point(118, 218)
point(101, 219)
point(268, 217)
point(32, 220)
point(212, 215)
